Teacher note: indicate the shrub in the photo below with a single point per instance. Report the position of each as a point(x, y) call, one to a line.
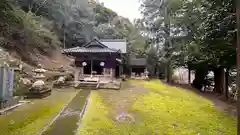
point(19, 89)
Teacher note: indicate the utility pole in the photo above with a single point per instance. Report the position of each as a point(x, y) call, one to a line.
point(64, 38)
point(238, 60)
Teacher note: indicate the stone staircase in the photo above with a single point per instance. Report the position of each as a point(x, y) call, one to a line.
point(98, 83)
point(87, 85)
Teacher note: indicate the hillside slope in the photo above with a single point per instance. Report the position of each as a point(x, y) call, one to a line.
point(24, 37)
point(33, 31)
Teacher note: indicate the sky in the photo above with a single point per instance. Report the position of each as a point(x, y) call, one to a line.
point(125, 8)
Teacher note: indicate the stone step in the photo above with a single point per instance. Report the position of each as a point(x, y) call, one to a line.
point(90, 85)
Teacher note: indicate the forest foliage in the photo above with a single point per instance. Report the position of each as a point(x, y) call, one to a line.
point(197, 34)
point(45, 24)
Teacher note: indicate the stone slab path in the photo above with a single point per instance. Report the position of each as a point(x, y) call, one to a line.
point(121, 101)
point(67, 122)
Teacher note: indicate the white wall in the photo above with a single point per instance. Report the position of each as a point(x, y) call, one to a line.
point(182, 75)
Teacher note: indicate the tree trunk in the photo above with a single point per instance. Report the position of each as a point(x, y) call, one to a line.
point(198, 82)
point(219, 80)
point(189, 75)
point(226, 82)
point(168, 43)
point(169, 72)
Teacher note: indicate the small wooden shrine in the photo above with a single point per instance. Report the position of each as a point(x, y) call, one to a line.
point(98, 58)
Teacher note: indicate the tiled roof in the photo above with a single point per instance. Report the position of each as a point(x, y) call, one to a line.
point(106, 45)
point(90, 50)
point(118, 44)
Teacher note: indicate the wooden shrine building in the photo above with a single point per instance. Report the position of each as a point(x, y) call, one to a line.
point(98, 58)
point(138, 66)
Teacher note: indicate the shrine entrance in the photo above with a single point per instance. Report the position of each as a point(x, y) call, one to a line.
point(117, 73)
point(97, 67)
point(138, 70)
point(87, 68)
point(93, 67)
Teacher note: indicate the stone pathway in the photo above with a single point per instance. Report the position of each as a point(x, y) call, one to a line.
point(121, 101)
point(67, 122)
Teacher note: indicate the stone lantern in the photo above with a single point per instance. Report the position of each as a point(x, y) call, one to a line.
point(39, 73)
point(61, 78)
point(39, 88)
point(146, 74)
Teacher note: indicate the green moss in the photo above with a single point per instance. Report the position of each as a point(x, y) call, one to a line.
point(177, 111)
point(163, 110)
point(63, 126)
point(31, 118)
point(96, 120)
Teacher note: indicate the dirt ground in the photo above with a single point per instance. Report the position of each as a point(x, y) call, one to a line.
point(53, 60)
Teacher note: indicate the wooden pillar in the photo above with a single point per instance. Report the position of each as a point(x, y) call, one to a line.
point(130, 70)
point(104, 72)
point(81, 71)
point(189, 75)
point(76, 76)
point(111, 72)
point(91, 66)
point(120, 70)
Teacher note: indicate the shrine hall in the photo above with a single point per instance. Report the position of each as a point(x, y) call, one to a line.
point(98, 58)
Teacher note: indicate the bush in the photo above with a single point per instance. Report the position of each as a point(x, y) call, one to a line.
point(35, 33)
point(19, 89)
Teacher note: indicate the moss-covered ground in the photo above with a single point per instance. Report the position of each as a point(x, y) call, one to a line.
point(31, 118)
point(156, 109)
point(67, 122)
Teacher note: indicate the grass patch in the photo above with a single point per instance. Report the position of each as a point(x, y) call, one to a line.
point(96, 120)
point(33, 117)
point(163, 110)
point(177, 111)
